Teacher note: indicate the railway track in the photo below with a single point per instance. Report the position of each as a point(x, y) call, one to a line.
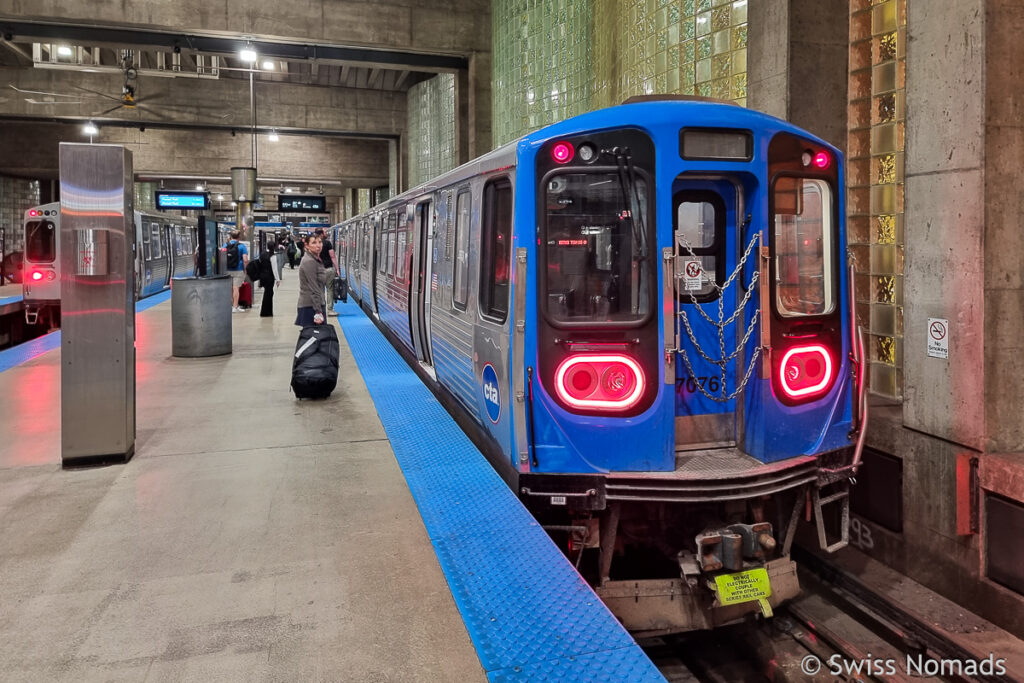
point(837, 630)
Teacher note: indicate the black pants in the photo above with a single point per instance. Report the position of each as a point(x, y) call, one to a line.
point(291, 259)
point(267, 307)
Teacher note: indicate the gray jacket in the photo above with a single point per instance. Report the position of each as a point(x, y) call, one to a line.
point(312, 280)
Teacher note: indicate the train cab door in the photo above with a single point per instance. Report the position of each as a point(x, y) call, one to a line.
point(421, 280)
point(708, 328)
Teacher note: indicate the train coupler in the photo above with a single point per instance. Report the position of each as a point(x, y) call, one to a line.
point(728, 548)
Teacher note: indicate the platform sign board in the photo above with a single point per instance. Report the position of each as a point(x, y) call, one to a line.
point(938, 338)
point(182, 201)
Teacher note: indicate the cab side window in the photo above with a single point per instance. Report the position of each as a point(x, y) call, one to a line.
point(495, 249)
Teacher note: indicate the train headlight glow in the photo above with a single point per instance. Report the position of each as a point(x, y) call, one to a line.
point(805, 371)
point(612, 382)
point(562, 152)
point(37, 275)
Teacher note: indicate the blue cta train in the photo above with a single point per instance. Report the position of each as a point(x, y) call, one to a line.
point(644, 316)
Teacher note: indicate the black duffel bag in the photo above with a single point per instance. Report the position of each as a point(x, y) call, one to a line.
point(315, 365)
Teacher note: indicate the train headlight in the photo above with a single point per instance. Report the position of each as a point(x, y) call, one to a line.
point(612, 382)
point(587, 153)
point(50, 275)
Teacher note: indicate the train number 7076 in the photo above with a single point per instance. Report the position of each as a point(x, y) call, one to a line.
point(690, 384)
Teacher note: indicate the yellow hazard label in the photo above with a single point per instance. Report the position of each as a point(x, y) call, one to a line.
point(752, 584)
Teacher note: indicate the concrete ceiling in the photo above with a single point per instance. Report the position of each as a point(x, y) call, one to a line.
point(165, 77)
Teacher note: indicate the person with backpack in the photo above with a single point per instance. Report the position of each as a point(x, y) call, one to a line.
point(237, 260)
point(292, 252)
point(327, 258)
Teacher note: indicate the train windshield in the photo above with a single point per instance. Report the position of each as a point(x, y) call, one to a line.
point(598, 268)
point(40, 241)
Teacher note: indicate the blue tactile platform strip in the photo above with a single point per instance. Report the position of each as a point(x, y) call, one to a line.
point(529, 613)
point(22, 353)
point(10, 300)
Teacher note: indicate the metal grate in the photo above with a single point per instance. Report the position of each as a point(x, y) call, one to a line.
point(1004, 528)
point(878, 494)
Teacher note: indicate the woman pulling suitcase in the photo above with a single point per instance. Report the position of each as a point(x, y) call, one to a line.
point(315, 366)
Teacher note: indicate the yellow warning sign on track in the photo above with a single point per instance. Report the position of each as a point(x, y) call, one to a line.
point(752, 584)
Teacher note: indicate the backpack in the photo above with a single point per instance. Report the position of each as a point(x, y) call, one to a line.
point(252, 269)
point(233, 256)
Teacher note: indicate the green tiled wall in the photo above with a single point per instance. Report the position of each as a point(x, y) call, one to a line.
point(16, 197)
point(557, 58)
point(431, 128)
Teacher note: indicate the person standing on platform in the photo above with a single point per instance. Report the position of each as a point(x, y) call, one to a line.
point(270, 277)
point(311, 304)
point(327, 258)
point(292, 251)
point(238, 258)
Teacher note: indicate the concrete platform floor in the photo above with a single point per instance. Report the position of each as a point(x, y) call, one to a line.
point(253, 537)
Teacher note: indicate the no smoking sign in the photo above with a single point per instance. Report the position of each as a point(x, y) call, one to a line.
point(938, 338)
point(693, 280)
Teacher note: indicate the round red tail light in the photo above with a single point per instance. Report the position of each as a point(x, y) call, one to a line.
point(612, 382)
point(805, 371)
point(822, 160)
point(33, 212)
point(562, 152)
point(37, 275)
point(50, 275)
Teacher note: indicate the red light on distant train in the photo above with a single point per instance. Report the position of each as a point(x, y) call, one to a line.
point(599, 381)
point(822, 160)
point(33, 212)
point(805, 370)
point(37, 275)
point(562, 152)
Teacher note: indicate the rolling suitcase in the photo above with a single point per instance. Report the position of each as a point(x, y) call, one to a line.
point(245, 295)
point(315, 365)
point(341, 289)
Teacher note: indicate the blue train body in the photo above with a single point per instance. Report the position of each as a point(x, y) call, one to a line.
point(644, 311)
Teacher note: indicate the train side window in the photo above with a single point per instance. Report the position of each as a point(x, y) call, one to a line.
point(40, 241)
point(400, 272)
point(802, 209)
point(495, 248)
point(460, 291)
point(146, 252)
point(154, 242)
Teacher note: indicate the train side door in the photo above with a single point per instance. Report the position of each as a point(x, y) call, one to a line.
point(419, 305)
point(167, 244)
point(705, 248)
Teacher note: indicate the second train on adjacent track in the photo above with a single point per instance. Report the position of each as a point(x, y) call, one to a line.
point(644, 314)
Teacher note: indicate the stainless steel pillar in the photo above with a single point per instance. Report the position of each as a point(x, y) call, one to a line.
point(201, 316)
point(97, 246)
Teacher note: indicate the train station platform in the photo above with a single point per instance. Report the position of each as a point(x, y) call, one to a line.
point(257, 537)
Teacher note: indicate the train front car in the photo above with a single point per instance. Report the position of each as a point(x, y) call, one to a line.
point(40, 285)
point(684, 323)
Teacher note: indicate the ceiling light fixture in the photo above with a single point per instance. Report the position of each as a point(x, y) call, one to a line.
point(247, 54)
point(63, 51)
point(90, 129)
point(268, 64)
point(220, 198)
point(273, 136)
point(199, 188)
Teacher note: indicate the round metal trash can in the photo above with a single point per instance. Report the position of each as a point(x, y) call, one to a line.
point(201, 316)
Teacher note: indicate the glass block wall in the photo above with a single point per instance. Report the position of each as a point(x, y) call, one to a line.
point(145, 196)
point(542, 51)
point(875, 173)
point(431, 128)
point(363, 200)
point(16, 197)
point(557, 58)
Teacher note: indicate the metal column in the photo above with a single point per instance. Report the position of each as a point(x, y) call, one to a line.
point(97, 233)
